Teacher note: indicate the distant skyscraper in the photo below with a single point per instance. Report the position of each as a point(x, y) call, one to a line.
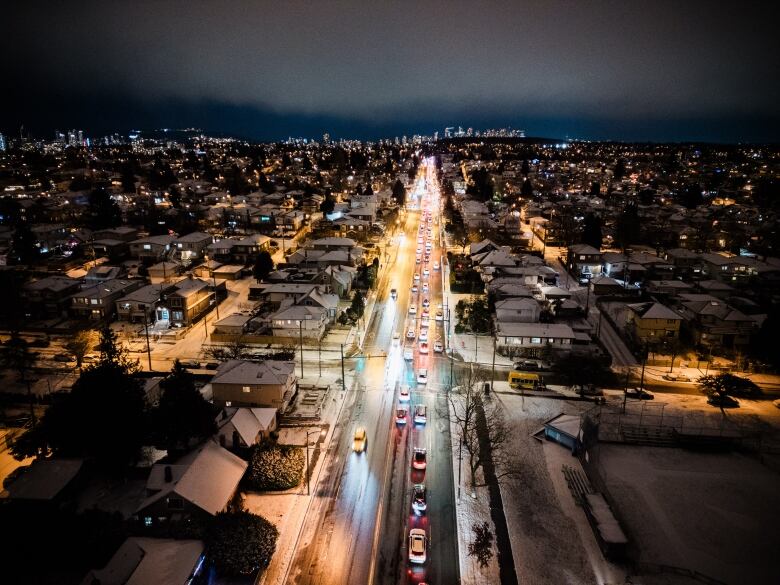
point(436, 136)
point(2, 143)
point(326, 138)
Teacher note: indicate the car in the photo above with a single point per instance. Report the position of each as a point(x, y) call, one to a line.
point(724, 401)
point(417, 260)
point(417, 546)
point(190, 365)
point(400, 415)
point(676, 378)
point(410, 334)
point(532, 365)
point(419, 498)
point(211, 365)
point(435, 264)
point(414, 289)
point(420, 414)
point(425, 288)
point(422, 376)
point(423, 347)
point(417, 277)
point(426, 303)
point(426, 313)
point(408, 354)
point(439, 315)
point(419, 249)
point(419, 241)
point(359, 441)
point(423, 334)
point(396, 338)
point(404, 393)
point(425, 321)
point(427, 258)
point(426, 272)
point(419, 459)
point(438, 346)
point(639, 394)
point(393, 293)
point(412, 309)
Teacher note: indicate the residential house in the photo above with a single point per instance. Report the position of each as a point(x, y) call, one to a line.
point(192, 246)
point(296, 321)
point(714, 324)
point(652, 323)
point(50, 482)
point(49, 297)
point(121, 233)
point(187, 302)
point(246, 249)
point(164, 272)
point(584, 261)
point(152, 561)
point(604, 285)
point(531, 339)
point(244, 427)
point(687, 263)
point(102, 273)
point(140, 305)
point(268, 383)
point(98, 302)
point(517, 310)
point(221, 250)
point(668, 288)
point(151, 248)
point(200, 484)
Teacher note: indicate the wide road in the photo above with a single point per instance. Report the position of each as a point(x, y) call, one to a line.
point(356, 530)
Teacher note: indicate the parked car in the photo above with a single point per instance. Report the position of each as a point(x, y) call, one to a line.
point(724, 401)
point(639, 394)
point(419, 459)
point(417, 546)
point(419, 498)
point(359, 441)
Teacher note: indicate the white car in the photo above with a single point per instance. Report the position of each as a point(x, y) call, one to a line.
point(412, 309)
point(425, 287)
point(410, 333)
point(408, 354)
point(423, 334)
point(417, 277)
point(425, 321)
point(420, 414)
point(435, 264)
point(440, 315)
point(426, 272)
point(419, 249)
point(422, 376)
point(414, 288)
point(404, 394)
point(400, 415)
point(396, 338)
point(438, 346)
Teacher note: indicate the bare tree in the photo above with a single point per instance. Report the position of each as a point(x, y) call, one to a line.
point(80, 345)
point(478, 419)
point(235, 349)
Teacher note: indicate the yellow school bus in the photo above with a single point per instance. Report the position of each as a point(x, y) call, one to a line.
point(523, 380)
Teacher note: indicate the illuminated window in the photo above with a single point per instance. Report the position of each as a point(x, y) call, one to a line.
point(147, 520)
point(246, 388)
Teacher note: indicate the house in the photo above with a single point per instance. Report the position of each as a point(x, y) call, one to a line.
point(652, 323)
point(531, 338)
point(686, 262)
point(151, 247)
point(190, 299)
point(565, 430)
point(46, 481)
point(714, 324)
point(192, 246)
point(517, 310)
point(139, 306)
point(244, 427)
point(604, 285)
point(102, 273)
point(245, 249)
point(235, 324)
point(296, 321)
point(668, 288)
point(269, 383)
point(164, 272)
point(114, 250)
point(121, 233)
point(221, 250)
point(201, 483)
point(49, 297)
point(151, 561)
point(98, 302)
point(584, 261)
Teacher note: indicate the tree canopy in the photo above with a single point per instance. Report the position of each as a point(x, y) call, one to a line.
point(263, 266)
point(721, 385)
point(240, 543)
point(591, 231)
point(102, 211)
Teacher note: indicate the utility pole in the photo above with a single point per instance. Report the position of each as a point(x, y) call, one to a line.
point(146, 328)
point(644, 360)
point(493, 369)
point(319, 356)
point(625, 389)
point(343, 380)
point(300, 337)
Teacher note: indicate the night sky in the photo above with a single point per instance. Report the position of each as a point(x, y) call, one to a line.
point(630, 70)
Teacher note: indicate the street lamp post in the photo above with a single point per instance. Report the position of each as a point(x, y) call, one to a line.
point(146, 328)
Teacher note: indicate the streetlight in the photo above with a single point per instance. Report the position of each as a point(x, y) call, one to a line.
point(308, 474)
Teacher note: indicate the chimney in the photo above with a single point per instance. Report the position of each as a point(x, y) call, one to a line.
point(168, 474)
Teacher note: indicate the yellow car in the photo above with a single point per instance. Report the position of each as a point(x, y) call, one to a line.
point(359, 442)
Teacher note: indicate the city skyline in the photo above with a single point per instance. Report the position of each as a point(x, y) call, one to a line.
point(603, 72)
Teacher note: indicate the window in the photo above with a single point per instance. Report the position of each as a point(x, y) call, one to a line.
point(93, 301)
point(147, 246)
point(147, 521)
point(536, 340)
point(246, 388)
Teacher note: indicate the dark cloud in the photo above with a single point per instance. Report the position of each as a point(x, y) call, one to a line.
point(391, 64)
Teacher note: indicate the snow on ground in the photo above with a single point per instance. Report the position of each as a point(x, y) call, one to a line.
point(547, 543)
point(471, 507)
point(716, 513)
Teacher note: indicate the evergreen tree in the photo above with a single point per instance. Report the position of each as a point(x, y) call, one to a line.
point(399, 192)
point(627, 228)
point(23, 245)
point(591, 231)
point(102, 211)
point(263, 266)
